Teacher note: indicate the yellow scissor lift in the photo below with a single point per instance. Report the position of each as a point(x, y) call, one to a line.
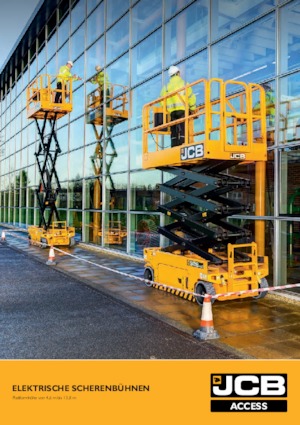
point(223, 131)
point(41, 106)
point(103, 115)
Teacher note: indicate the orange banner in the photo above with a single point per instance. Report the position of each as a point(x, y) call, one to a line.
point(148, 392)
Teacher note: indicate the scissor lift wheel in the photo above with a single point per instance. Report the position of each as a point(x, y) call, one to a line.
point(204, 288)
point(262, 284)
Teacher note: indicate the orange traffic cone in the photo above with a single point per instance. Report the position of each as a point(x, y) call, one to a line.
point(206, 330)
point(51, 258)
point(3, 239)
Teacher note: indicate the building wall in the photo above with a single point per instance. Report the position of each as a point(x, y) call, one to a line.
point(136, 42)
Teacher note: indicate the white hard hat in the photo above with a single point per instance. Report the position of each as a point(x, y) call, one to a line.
point(173, 70)
point(70, 62)
point(97, 67)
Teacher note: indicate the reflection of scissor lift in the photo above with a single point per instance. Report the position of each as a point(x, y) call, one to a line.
point(114, 234)
point(41, 106)
point(293, 233)
point(103, 115)
point(206, 256)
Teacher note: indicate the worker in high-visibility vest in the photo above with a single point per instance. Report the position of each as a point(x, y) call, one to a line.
point(102, 80)
point(176, 104)
point(64, 74)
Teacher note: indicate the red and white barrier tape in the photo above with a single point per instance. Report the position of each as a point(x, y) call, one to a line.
point(167, 287)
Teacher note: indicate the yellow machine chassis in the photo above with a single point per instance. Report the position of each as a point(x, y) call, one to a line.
point(184, 272)
point(58, 234)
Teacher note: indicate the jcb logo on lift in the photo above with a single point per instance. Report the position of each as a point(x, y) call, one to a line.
point(238, 156)
point(191, 152)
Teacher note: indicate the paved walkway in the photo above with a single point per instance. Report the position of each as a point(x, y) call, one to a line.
point(264, 329)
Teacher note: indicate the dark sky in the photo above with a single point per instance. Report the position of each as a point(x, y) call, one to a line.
point(14, 15)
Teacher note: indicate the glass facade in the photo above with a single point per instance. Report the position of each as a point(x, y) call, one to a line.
point(135, 41)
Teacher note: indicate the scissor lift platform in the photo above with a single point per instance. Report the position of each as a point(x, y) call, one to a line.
point(41, 95)
point(41, 107)
point(205, 255)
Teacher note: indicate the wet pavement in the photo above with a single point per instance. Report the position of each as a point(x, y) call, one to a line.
point(45, 314)
point(263, 329)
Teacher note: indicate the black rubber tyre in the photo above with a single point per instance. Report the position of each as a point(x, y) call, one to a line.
point(262, 284)
point(203, 288)
point(148, 275)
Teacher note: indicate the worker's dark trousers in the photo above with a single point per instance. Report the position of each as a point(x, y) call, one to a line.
point(58, 94)
point(177, 131)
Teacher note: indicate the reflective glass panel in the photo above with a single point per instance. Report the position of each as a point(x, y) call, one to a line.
point(95, 24)
point(77, 15)
point(116, 191)
point(77, 43)
point(289, 118)
point(290, 182)
point(94, 56)
point(118, 74)
point(51, 45)
point(173, 6)
point(289, 251)
point(76, 162)
point(115, 9)
point(62, 198)
point(63, 57)
point(75, 220)
point(92, 227)
point(41, 58)
point(62, 137)
point(194, 68)
point(116, 153)
point(248, 55)
point(117, 39)
point(93, 193)
point(227, 15)
point(62, 167)
point(142, 95)
point(186, 33)
point(76, 135)
point(78, 101)
point(136, 149)
point(146, 16)
point(289, 36)
point(75, 194)
point(91, 4)
point(143, 232)
point(52, 67)
point(147, 58)
point(145, 193)
point(63, 31)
